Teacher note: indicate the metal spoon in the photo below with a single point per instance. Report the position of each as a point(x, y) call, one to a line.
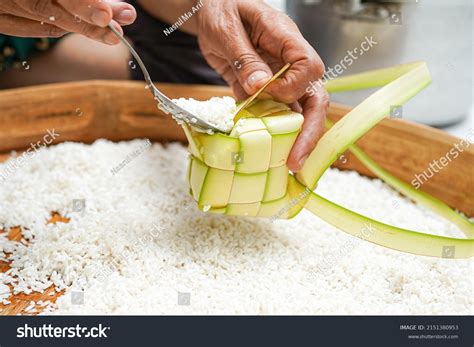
point(165, 103)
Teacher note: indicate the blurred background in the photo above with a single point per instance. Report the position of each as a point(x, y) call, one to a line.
point(437, 31)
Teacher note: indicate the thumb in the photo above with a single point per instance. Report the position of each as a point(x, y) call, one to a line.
point(249, 68)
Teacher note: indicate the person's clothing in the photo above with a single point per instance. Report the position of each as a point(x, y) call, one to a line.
point(15, 51)
point(173, 58)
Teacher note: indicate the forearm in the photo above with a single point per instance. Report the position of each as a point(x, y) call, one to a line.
point(170, 11)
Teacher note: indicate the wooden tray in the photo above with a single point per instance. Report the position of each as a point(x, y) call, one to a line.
point(123, 110)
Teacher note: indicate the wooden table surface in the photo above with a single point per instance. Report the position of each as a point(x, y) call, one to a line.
point(20, 302)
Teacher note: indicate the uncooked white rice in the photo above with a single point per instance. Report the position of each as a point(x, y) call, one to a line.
point(140, 245)
point(217, 111)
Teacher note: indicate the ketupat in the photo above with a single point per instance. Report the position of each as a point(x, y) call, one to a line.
point(244, 173)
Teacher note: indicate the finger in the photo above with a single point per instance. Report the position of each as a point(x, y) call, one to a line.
point(234, 83)
point(277, 36)
point(251, 71)
point(23, 27)
point(314, 112)
point(101, 13)
point(104, 35)
point(90, 11)
point(227, 72)
point(238, 91)
point(306, 67)
point(123, 13)
point(54, 14)
point(295, 106)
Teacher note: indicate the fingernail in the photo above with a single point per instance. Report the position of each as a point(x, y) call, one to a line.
point(100, 18)
point(302, 160)
point(257, 78)
point(124, 16)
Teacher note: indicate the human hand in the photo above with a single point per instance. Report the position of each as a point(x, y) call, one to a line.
point(246, 41)
point(54, 18)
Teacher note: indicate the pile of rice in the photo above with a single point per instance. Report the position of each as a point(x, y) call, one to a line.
point(138, 244)
point(217, 111)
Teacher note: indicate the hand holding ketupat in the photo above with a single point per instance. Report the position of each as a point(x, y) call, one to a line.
point(248, 41)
